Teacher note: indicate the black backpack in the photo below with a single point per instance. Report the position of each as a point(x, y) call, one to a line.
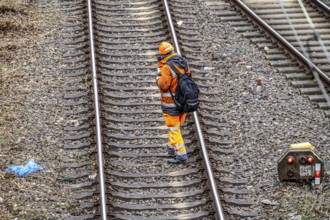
point(186, 94)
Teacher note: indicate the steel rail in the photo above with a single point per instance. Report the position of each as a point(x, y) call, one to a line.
point(219, 215)
point(299, 56)
point(100, 158)
point(321, 5)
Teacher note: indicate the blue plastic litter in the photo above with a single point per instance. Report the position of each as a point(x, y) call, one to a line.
point(23, 171)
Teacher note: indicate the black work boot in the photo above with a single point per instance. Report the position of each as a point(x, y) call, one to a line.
point(170, 150)
point(178, 160)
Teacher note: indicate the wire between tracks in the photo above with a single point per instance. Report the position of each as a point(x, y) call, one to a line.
point(317, 37)
point(299, 56)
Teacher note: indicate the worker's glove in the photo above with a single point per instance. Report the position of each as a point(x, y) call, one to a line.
point(158, 74)
point(159, 57)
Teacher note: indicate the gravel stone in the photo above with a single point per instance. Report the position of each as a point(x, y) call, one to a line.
point(31, 116)
point(264, 121)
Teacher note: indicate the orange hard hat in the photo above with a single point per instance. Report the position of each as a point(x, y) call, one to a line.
point(165, 48)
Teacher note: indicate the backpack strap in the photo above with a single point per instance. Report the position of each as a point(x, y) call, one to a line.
point(170, 63)
point(185, 64)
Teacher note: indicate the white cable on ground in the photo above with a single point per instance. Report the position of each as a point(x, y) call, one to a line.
point(311, 24)
point(302, 48)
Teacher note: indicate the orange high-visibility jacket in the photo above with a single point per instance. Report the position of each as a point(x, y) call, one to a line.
point(168, 81)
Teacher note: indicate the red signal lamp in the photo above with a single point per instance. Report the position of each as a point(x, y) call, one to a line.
point(310, 159)
point(290, 160)
point(317, 174)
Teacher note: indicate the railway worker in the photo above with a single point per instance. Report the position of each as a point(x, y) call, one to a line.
point(167, 81)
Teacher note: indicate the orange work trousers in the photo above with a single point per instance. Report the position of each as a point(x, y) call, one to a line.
point(175, 141)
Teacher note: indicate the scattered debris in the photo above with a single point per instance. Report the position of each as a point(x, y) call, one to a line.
point(23, 171)
point(268, 202)
point(209, 68)
point(93, 176)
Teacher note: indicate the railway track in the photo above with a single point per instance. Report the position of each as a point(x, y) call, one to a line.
point(322, 3)
point(291, 23)
point(139, 184)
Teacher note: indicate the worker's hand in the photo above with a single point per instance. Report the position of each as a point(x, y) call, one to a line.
point(158, 74)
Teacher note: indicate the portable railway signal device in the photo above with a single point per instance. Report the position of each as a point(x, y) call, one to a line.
point(300, 162)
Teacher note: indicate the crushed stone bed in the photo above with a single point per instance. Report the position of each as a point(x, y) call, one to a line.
point(31, 113)
point(32, 116)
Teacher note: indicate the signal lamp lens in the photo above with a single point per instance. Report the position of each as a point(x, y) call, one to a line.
point(290, 160)
point(310, 159)
point(290, 173)
point(303, 160)
point(317, 174)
